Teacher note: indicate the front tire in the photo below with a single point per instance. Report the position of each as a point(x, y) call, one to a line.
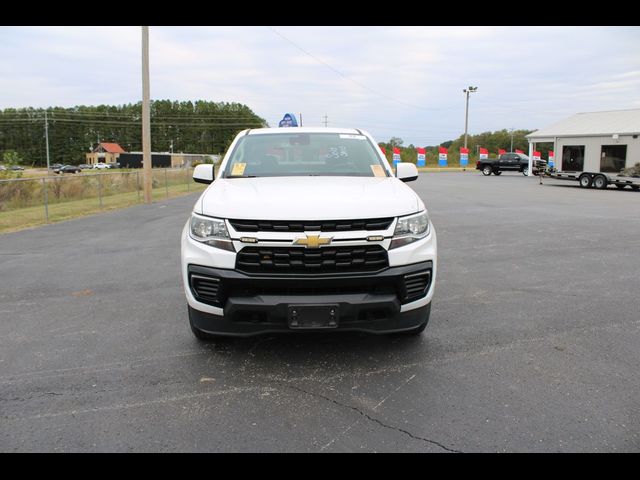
point(497, 173)
point(199, 334)
point(525, 171)
point(420, 328)
point(486, 170)
point(417, 331)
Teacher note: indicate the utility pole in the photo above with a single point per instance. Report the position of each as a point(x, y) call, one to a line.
point(300, 119)
point(46, 137)
point(511, 150)
point(171, 146)
point(146, 123)
point(466, 112)
point(325, 121)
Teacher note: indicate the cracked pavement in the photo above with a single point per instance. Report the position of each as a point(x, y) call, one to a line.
point(532, 344)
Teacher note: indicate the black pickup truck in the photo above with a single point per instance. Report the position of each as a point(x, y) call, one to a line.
point(509, 162)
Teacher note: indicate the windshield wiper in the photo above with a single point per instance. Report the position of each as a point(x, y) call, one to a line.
point(241, 176)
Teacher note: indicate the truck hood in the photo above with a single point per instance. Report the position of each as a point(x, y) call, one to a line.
point(308, 198)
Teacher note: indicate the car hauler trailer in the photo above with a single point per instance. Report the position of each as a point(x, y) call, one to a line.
point(598, 180)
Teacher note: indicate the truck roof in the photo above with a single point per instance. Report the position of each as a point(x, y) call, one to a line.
point(294, 130)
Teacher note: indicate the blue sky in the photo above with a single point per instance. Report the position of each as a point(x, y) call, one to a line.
point(392, 81)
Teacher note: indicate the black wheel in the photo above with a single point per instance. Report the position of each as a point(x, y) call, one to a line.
point(486, 170)
point(497, 173)
point(417, 330)
point(620, 186)
point(635, 187)
point(200, 335)
point(525, 171)
point(420, 328)
point(585, 180)
point(600, 182)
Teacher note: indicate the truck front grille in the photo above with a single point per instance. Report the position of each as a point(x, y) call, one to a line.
point(365, 258)
point(310, 225)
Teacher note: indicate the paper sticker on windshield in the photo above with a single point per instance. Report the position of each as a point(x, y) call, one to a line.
point(238, 169)
point(378, 171)
point(353, 137)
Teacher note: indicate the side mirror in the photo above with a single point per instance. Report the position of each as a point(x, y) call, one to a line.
point(203, 173)
point(407, 172)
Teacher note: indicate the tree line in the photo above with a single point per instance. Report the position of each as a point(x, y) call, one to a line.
point(492, 141)
point(189, 127)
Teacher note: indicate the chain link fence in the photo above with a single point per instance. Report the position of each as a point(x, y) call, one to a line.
point(35, 200)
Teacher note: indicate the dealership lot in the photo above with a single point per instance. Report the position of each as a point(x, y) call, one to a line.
point(532, 344)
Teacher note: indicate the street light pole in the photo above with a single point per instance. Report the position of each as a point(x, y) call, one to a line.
point(46, 136)
point(466, 112)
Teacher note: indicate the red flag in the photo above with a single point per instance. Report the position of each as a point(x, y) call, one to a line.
point(551, 154)
point(383, 150)
point(484, 151)
point(519, 151)
point(464, 150)
point(536, 154)
point(501, 151)
point(396, 150)
point(420, 151)
point(442, 150)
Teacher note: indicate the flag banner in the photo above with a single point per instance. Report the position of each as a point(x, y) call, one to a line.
point(536, 155)
point(422, 161)
point(396, 156)
point(519, 151)
point(501, 151)
point(382, 149)
point(552, 158)
point(442, 157)
point(484, 153)
point(464, 157)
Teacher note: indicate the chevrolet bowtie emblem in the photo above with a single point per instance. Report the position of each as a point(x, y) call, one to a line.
point(312, 241)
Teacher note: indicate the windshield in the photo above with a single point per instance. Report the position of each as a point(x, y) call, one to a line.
point(304, 154)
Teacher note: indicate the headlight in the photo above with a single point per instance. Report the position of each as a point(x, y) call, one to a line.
point(212, 231)
point(409, 229)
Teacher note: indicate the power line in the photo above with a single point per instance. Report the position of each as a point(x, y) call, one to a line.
point(349, 78)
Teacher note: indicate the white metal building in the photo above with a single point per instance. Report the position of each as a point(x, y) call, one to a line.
point(593, 141)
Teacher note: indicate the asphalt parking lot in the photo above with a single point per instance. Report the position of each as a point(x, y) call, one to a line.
point(533, 343)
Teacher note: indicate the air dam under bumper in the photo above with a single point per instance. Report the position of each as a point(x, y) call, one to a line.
point(260, 304)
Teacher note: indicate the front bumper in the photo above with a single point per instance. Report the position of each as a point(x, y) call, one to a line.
point(229, 302)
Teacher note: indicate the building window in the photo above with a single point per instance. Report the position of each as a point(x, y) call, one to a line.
point(573, 158)
point(613, 158)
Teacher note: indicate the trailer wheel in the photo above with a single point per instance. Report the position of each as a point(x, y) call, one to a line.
point(600, 182)
point(635, 187)
point(620, 186)
point(486, 170)
point(585, 180)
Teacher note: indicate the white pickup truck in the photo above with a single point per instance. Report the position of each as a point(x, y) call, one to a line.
point(307, 229)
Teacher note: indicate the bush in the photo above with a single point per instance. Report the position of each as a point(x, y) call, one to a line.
point(635, 170)
point(19, 193)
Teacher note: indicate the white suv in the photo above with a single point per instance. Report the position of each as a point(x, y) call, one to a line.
point(307, 229)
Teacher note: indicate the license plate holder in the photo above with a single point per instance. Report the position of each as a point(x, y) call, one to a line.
point(313, 316)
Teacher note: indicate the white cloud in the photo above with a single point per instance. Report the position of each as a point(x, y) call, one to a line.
point(527, 76)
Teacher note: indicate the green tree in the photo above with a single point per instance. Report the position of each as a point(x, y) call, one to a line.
point(395, 142)
point(11, 157)
point(191, 127)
